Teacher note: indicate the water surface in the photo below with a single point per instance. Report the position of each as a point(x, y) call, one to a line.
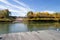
point(28, 26)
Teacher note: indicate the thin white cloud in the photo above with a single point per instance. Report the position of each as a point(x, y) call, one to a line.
point(21, 3)
point(48, 11)
point(14, 12)
point(24, 5)
point(2, 7)
point(19, 9)
point(10, 9)
point(2, 0)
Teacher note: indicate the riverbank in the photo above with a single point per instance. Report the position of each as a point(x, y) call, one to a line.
point(6, 20)
point(41, 20)
point(34, 35)
point(5, 16)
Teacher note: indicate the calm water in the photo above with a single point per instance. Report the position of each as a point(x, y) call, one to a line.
point(29, 26)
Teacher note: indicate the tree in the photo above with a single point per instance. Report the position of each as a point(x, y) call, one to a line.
point(30, 14)
point(38, 14)
point(7, 13)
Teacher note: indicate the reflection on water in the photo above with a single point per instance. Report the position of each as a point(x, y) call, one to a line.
point(35, 26)
point(4, 28)
point(29, 26)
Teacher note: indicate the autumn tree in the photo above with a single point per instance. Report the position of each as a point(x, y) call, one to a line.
point(30, 14)
point(5, 13)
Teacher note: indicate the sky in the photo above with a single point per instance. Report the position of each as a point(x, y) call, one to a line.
point(21, 7)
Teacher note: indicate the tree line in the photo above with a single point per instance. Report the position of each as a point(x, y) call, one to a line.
point(31, 14)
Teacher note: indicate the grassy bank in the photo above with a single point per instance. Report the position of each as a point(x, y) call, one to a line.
point(6, 20)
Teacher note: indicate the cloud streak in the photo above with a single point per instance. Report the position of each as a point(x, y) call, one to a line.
point(48, 11)
point(21, 3)
point(15, 8)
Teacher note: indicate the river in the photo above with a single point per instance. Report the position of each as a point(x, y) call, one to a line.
point(27, 26)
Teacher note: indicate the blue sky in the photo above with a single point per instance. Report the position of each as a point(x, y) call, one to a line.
point(21, 7)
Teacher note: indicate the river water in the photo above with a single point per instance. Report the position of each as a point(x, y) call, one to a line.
point(27, 26)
